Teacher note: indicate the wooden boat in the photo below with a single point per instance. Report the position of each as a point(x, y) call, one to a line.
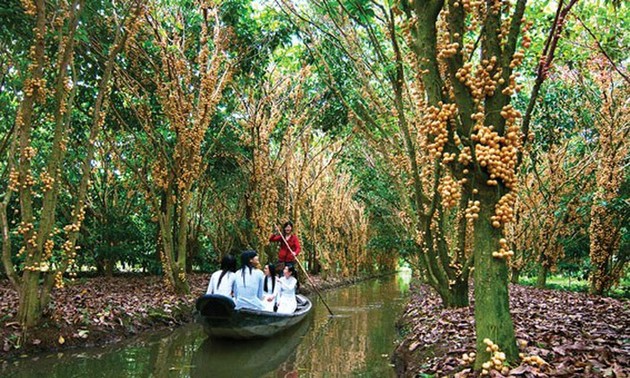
point(219, 318)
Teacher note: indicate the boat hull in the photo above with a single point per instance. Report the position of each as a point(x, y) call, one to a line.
point(219, 318)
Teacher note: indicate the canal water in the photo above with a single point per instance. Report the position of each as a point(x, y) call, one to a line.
point(357, 341)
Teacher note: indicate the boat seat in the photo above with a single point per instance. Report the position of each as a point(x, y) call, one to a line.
point(301, 303)
point(215, 306)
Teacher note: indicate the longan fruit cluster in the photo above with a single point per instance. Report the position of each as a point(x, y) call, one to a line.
point(450, 191)
point(34, 87)
point(533, 360)
point(504, 251)
point(28, 181)
point(448, 51)
point(497, 154)
point(47, 181)
point(160, 175)
point(33, 268)
point(59, 279)
point(468, 358)
point(49, 245)
point(496, 360)
point(70, 251)
point(465, 157)
point(472, 210)
point(14, 180)
point(437, 126)
point(30, 9)
point(28, 153)
point(504, 210)
point(24, 227)
point(512, 87)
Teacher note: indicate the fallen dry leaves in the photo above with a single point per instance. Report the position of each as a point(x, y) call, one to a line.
point(577, 334)
point(96, 310)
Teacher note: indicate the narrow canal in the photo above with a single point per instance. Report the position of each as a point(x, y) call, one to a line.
point(357, 341)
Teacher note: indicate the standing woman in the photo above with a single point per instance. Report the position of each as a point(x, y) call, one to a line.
point(285, 257)
point(288, 286)
point(270, 289)
point(222, 280)
point(248, 283)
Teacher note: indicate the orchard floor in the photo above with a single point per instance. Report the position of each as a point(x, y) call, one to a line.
point(576, 334)
point(95, 311)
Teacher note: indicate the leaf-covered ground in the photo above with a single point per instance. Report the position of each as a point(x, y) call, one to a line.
point(97, 310)
point(577, 335)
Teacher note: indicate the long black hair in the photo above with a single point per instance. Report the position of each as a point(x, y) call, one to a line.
point(293, 272)
point(272, 276)
point(287, 223)
point(228, 264)
point(246, 263)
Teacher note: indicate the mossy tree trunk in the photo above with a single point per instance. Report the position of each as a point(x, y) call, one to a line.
point(515, 275)
point(492, 308)
point(41, 269)
point(541, 276)
point(474, 114)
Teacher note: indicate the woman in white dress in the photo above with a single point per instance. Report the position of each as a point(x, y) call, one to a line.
point(222, 280)
point(270, 289)
point(288, 286)
point(248, 283)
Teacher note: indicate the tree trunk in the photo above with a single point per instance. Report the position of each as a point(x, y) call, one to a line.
point(541, 278)
point(109, 268)
point(457, 296)
point(492, 307)
point(516, 275)
point(29, 311)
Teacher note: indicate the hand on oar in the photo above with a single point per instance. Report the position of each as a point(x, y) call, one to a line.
point(305, 272)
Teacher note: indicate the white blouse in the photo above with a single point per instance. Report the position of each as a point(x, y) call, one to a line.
point(226, 283)
point(286, 300)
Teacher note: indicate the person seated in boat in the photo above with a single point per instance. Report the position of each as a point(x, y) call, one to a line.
point(222, 281)
point(270, 289)
point(248, 283)
point(288, 286)
point(289, 246)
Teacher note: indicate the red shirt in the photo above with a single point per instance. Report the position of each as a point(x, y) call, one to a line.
point(284, 255)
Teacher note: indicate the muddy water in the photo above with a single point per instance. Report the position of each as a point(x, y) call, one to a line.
point(357, 341)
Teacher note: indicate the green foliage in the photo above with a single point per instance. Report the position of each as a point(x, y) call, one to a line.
point(578, 285)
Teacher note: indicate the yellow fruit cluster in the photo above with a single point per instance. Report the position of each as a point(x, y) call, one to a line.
point(29, 7)
point(449, 191)
point(532, 360)
point(448, 51)
point(496, 360)
point(504, 210)
point(49, 245)
point(468, 358)
point(14, 180)
point(472, 210)
point(24, 228)
point(437, 126)
point(59, 279)
point(47, 181)
point(504, 251)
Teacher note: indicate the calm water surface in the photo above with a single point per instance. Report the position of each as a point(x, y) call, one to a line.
point(357, 341)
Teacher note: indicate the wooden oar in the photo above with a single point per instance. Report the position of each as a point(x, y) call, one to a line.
point(304, 270)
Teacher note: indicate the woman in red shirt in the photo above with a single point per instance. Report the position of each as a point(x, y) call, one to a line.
point(285, 257)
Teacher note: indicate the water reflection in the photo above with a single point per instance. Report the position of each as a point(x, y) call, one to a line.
point(357, 341)
point(361, 337)
point(253, 358)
